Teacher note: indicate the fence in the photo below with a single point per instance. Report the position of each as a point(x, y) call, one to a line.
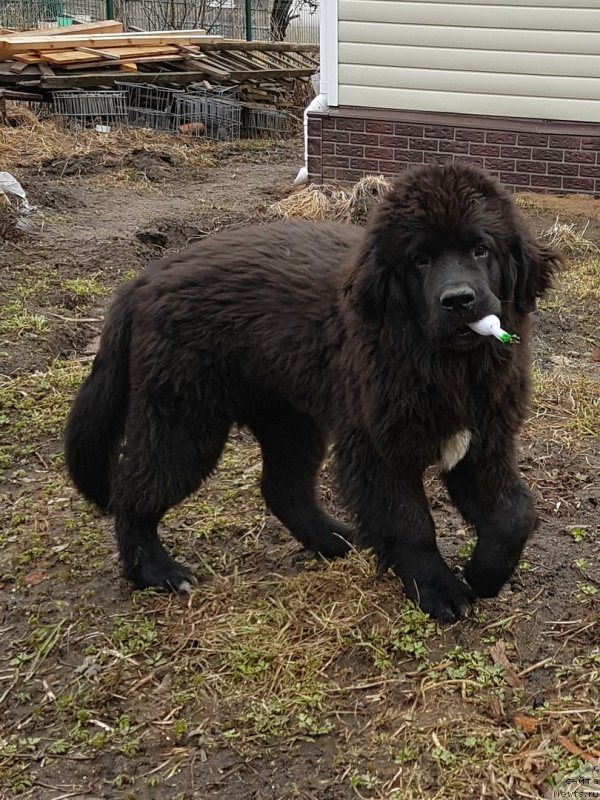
point(291, 20)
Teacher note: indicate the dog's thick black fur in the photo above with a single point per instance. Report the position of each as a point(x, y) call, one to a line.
point(303, 331)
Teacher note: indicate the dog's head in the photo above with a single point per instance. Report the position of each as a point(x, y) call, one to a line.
point(446, 247)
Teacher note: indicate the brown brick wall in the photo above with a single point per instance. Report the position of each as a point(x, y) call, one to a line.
point(345, 144)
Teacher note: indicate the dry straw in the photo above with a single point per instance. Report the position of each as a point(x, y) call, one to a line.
point(28, 141)
point(322, 202)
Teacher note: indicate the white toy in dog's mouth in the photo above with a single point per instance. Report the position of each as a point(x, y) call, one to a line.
point(490, 326)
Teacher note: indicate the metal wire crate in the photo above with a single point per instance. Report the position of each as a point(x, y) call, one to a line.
point(222, 119)
point(151, 106)
point(265, 123)
point(146, 95)
point(151, 118)
point(225, 92)
point(80, 109)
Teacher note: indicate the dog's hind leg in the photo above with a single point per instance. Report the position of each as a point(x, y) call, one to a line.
point(293, 449)
point(164, 460)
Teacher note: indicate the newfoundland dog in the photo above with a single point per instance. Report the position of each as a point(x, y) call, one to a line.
point(308, 332)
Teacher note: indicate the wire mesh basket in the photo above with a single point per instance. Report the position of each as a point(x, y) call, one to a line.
point(226, 92)
point(151, 106)
point(221, 118)
point(80, 109)
point(265, 123)
point(147, 95)
point(151, 118)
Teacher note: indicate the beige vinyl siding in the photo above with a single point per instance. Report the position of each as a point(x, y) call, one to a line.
point(536, 59)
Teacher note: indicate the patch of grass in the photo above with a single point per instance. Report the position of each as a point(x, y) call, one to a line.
point(566, 408)
point(36, 404)
point(528, 203)
point(85, 289)
point(578, 281)
point(16, 319)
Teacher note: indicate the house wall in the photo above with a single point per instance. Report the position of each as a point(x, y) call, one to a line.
point(346, 143)
point(531, 59)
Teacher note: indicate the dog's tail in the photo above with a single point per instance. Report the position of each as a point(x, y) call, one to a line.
point(97, 418)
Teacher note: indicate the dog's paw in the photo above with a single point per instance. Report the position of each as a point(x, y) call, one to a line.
point(164, 574)
point(486, 580)
point(445, 598)
point(334, 546)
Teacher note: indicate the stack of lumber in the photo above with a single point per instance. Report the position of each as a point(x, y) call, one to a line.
point(96, 54)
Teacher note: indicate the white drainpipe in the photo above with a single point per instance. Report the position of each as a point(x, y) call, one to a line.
point(328, 73)
point(318, 104)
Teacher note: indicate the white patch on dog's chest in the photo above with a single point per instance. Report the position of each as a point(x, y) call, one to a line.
point(454, 450)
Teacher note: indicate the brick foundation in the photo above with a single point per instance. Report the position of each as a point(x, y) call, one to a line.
point(346, 143)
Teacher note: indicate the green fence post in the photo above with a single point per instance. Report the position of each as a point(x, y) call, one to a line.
point(248, 20)
point(110, 9)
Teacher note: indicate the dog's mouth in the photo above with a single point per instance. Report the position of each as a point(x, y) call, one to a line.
point(463, 339)
point(465, 331)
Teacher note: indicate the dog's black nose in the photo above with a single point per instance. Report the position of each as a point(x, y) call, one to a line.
point(459, 298)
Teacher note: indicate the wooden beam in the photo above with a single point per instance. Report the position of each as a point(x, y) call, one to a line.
point(8, 94)
point(100, 41)
point(107, 77)
point(18, 67)
point(46, 69)
point(274, 47)
point(168, 59)
point(27, 58)
point(270, 73)
point(90, 55)
point(100, 53)
point(103, 26)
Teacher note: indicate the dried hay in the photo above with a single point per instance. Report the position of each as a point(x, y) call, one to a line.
point(570, 241)
point(36, 141)
point(323, 202)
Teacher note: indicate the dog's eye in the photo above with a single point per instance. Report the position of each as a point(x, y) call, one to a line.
point(481, 251)
point(422, 262)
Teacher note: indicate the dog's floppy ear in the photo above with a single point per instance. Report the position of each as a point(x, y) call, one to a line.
point(375, 283)
point(535, 264)
point(368, 281)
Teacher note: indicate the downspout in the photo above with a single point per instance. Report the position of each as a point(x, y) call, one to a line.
point(328, 17)
point(318, 104)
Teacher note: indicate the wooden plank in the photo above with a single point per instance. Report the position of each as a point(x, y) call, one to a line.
point(46, 69)
point(28, 58)
point(8, 94)
point(273, 47)
point(126, 60)
point(102, 53)
point(207, 69)
point(149, 50)
point(68, 57)
point(9, 47)
point(271, 73)
point(79, 56)
point(128, 66)
point(81, 28)
point(18, 66)
point(106, 78)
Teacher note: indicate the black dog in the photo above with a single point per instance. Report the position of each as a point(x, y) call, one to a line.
point(301, 331)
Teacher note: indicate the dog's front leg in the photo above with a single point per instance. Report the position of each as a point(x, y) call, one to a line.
point(393, 519)
point(488, 491)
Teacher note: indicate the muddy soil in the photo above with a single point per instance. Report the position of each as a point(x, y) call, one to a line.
point(105, 217)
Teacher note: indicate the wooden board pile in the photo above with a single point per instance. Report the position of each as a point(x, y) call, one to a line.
point(96, 54)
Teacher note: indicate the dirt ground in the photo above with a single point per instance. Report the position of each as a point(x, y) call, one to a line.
point(281, 676)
